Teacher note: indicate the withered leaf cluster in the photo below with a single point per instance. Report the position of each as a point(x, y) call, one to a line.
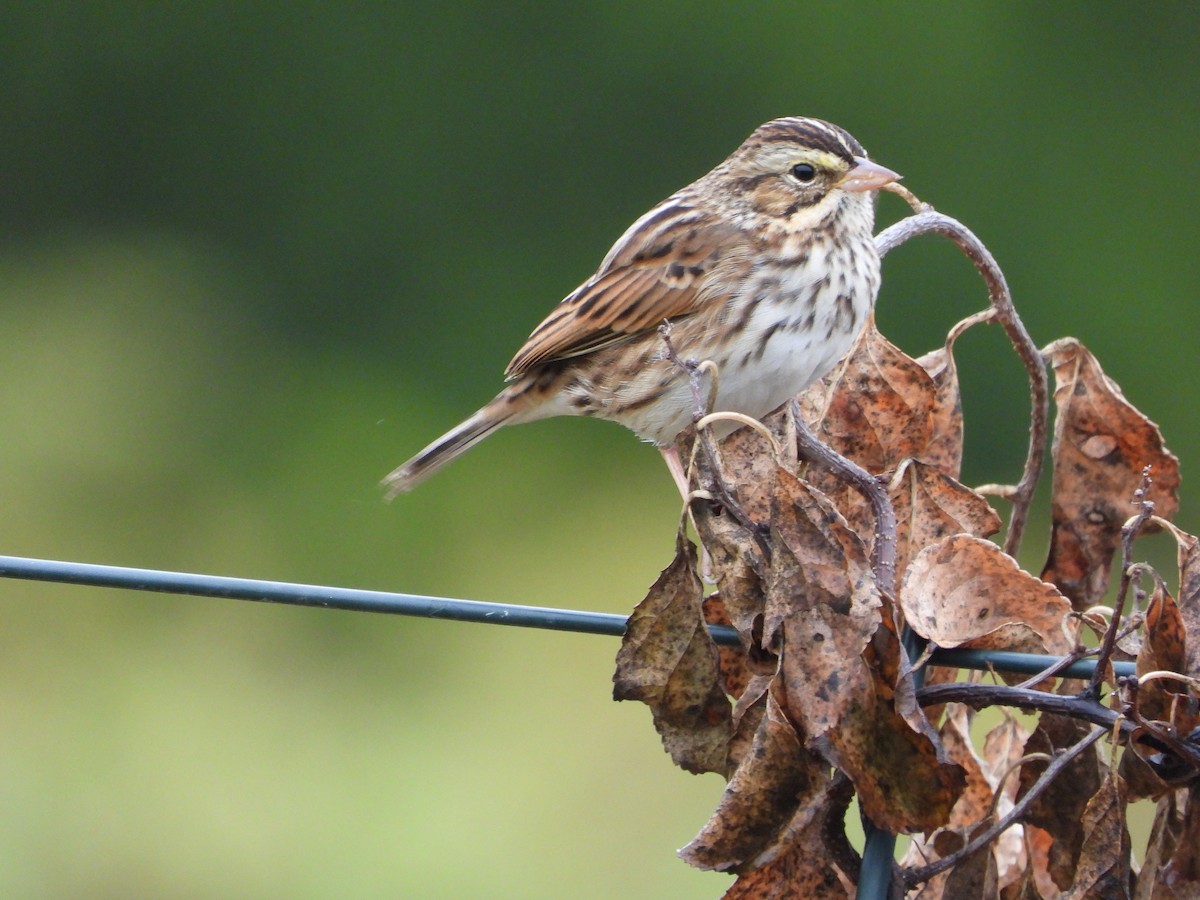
point(818, 704)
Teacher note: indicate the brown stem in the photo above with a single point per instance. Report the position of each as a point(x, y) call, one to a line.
point(1061, 761)
point(979, 695)
point(931, 222)
point(883, 552)
point(1129, 532)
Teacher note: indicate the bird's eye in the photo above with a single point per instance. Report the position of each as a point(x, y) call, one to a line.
point(804, 172)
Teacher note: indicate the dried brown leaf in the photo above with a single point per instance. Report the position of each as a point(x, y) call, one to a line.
point(823, 610)
point(748, 714)
point(1163, 649)
point(976, 808)
point(1104, 869)
point(734, 666)
point(776, 779)
point(1059, 809)
point(965, 591)
point(1102, 444)
point(822, 605)
point(734, 554)
point(976, 800)
point(974, 876)
point(931, 505)
point(736, 562)
point(1026, 887)
point(1002, 747)
point(817, 861)
point(904, 783)
point(748, 461)
point(971, 807)
point(1179, 877)
point(1170, 822)
point(668, 661)
point(945, 448)
point(1035, 882)
point(1189, 600)
point(874, 408)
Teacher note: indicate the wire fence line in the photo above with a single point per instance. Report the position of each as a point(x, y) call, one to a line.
point(447, 608)
point(878, 852)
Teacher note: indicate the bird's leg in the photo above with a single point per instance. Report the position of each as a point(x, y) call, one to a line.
point(678, 472)
point(670, 456)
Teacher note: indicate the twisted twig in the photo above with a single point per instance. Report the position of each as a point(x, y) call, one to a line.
point(883, 551)
point(927, 221)
point(917, 875)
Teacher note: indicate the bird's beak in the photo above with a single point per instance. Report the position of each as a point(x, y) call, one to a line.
point(867, 176)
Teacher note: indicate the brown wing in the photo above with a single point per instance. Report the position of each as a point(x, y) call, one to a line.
point(661, 268)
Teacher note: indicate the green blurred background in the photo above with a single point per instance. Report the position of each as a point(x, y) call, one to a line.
point(254, 255)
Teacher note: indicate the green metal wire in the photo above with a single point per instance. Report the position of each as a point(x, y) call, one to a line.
point(877, 854)
point(356, 600)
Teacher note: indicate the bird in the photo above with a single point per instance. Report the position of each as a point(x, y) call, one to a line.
point(766, 266)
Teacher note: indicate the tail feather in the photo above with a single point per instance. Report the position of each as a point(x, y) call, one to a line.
point(450, 446)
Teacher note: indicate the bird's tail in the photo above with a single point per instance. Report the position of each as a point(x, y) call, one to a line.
point(452, 444)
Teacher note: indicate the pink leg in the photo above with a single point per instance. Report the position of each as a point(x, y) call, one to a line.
point(671, 457)
point(675, 465)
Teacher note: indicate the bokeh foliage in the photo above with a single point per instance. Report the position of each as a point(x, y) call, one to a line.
point(254, 254)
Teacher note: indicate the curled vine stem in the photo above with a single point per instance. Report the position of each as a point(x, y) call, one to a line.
point(710, 419)
point(928, 221)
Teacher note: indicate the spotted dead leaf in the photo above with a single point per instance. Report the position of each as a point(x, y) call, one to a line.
point(748, 460)
point(903, 779)
point(965, 591)
point(1167, 645)
point(1059, 809)
point(874, 408)
point(1036, 883)
point(668, 661)
point(734, 555)
point(896, 696)
point(1163, 650)
point(822, 602)
point(735, 670)
point(971, 808)
point(823, 609)
point(931, 505)
point(1189, 600)
point(1171, 869)
point(1104, 867)
point(945, 448)
point(1102, 444)
point(776, 779)
point(748, 713)
point(973, 876)
point(816, 860)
